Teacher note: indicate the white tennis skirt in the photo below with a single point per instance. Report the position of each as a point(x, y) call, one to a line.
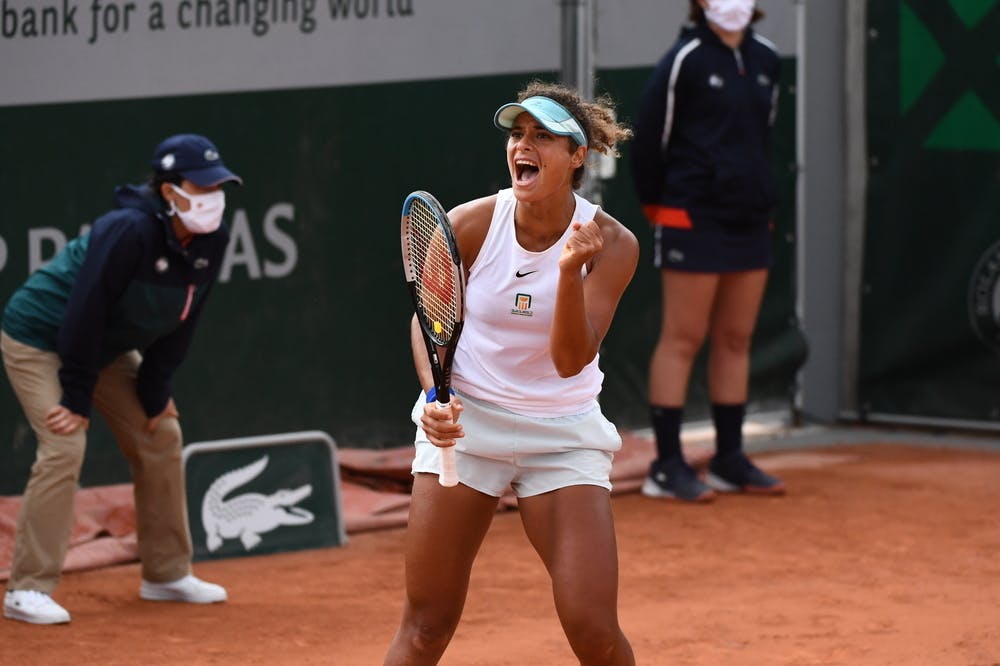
point(530, 455)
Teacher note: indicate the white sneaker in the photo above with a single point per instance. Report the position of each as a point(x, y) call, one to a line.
point(33, 606)
point(190, 589)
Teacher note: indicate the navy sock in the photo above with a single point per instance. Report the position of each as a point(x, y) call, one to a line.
point(728, 420)
point(667, 426)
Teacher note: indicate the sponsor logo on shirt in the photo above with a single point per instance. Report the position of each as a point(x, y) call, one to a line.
point(522, 305)
point(716, 81)
point(763, 80)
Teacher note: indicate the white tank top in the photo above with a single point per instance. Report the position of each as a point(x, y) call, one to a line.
point(503, 354)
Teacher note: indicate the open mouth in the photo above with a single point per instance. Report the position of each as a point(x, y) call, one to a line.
point(525, 171)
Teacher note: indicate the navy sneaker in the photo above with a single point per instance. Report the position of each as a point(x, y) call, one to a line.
point(676, 480)
point(735, 473)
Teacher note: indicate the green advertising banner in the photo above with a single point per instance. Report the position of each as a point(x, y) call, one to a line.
point(930, 317)
point(308, 328)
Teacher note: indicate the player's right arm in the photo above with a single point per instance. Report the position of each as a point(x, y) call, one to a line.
point(420, 362)
point(440, 425)
point(471, 222)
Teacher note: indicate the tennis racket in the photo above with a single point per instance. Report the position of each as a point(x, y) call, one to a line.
point(436, 278)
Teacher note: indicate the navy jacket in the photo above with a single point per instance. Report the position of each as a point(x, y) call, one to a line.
point(127, 284)
point(702, 129)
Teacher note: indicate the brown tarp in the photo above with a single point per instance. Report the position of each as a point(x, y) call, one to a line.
point(375, 488)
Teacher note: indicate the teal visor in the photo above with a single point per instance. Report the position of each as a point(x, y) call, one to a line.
point(551, 114)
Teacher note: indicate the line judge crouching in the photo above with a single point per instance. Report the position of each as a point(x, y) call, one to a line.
point(106, 324)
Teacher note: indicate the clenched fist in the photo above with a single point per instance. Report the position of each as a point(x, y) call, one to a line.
point(585, 241)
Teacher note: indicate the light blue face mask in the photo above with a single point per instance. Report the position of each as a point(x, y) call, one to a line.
point(551, 114)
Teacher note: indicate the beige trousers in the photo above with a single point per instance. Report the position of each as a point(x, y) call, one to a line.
point(46, 518)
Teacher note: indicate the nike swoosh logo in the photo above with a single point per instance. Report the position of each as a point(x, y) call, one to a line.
point(520, 274)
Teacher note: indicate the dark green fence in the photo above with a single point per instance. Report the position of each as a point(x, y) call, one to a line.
point(930, 316)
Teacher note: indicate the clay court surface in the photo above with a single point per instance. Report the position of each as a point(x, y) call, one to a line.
point(881, 553)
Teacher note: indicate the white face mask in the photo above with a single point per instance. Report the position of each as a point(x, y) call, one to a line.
point(205, 213)
point(730, 15)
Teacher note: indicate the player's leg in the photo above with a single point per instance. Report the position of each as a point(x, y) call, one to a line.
point(45, 520)
point(737, 304)
point(686, 308)
point(157, 474)
point(445, 529)
point(573, 531)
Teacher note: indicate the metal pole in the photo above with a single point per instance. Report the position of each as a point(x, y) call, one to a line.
point(578, 46)
point(854, 222)
point(801, 237)
point(578, 28)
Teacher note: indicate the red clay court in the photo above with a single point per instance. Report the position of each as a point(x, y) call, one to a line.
point(883, 552)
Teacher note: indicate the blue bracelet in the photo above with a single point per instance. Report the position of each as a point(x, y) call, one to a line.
point(432, 393)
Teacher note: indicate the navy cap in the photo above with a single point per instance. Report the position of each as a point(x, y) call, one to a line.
point(194, 158)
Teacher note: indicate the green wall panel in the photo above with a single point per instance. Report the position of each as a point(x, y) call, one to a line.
point(325, 346)
point(930, 309)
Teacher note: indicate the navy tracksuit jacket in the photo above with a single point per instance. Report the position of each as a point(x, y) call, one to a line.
point(127, 284)
point(702, 130)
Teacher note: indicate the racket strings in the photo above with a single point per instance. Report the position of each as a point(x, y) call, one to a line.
point(434, 272)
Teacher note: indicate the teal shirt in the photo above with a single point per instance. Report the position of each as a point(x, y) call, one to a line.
point(35, 312)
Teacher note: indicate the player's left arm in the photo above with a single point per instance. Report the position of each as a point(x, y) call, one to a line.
point(585, 306)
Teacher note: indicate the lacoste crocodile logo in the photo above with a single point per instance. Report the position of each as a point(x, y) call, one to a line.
point(525, 274)
point(247, 516)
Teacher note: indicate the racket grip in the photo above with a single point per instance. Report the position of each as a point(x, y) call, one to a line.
point(449, 468)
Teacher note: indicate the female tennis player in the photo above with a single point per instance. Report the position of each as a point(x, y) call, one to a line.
point(545, 272)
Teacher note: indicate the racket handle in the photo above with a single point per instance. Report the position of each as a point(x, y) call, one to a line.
point(449, 468)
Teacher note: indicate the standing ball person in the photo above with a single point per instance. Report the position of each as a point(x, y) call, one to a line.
point(545, 269)
point(105, 325)
point(701, 170)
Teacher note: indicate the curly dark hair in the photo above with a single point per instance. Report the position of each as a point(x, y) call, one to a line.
point(697, 15)
point(597, 118)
